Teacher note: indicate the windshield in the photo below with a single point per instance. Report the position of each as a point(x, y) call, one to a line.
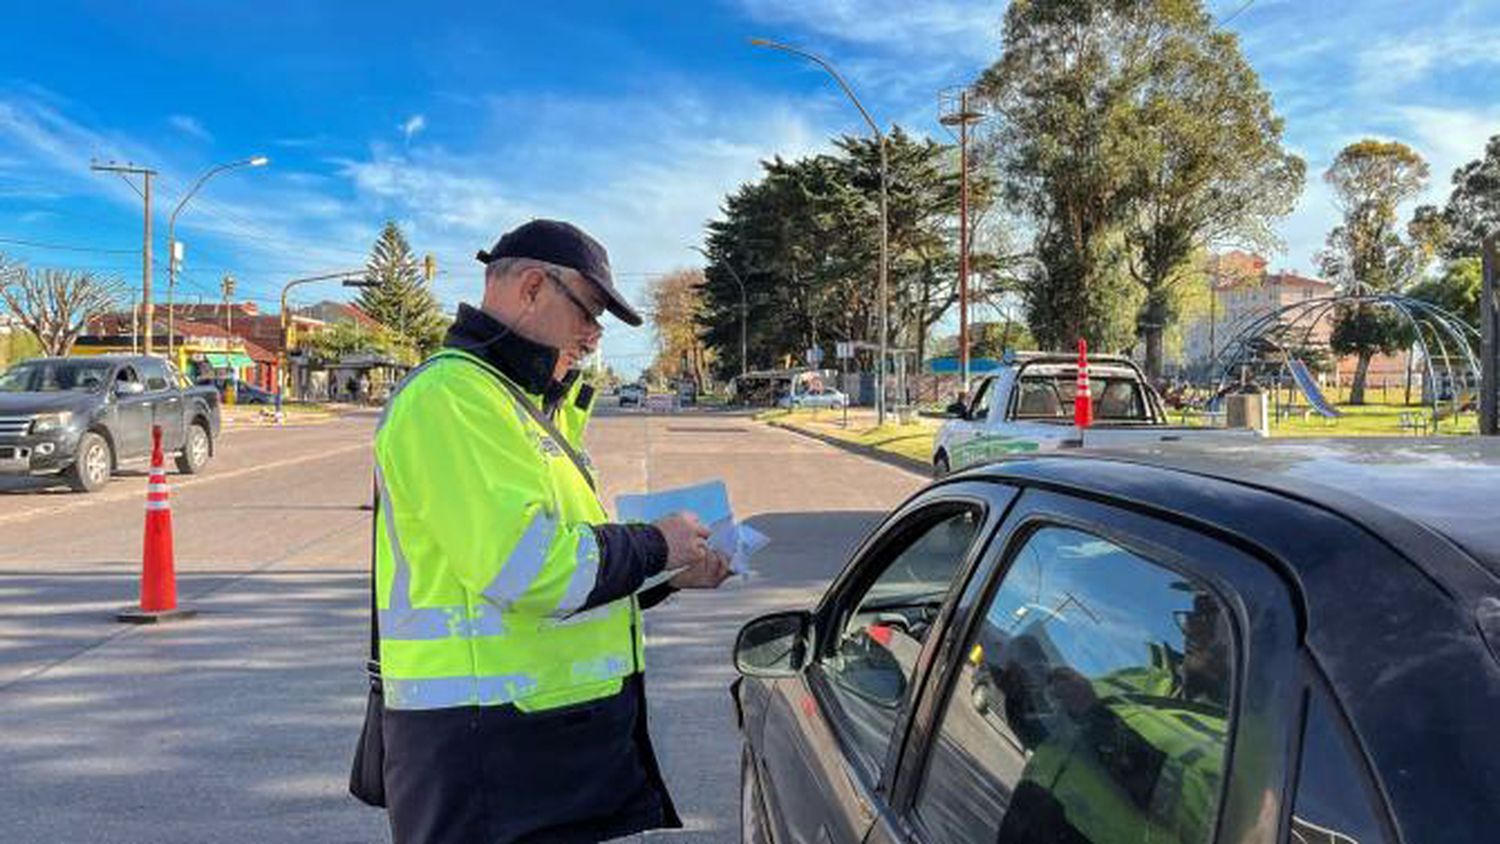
point(55, 377)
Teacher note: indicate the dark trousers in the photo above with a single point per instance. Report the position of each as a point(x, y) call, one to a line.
point(495, 775)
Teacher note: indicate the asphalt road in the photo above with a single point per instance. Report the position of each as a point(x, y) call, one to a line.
point(237, 726)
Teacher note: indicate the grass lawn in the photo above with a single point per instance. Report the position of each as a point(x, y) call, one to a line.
point(913, 441)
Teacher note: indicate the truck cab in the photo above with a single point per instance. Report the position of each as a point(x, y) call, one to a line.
point(1027, 406)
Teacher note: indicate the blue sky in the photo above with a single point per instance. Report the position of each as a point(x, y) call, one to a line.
point(461, 120)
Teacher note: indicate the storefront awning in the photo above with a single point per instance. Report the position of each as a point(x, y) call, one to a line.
point(222, 360)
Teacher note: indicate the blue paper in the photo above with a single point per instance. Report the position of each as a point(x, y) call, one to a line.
point(708, 501)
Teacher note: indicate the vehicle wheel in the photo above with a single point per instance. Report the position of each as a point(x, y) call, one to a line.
point(753, 826)
point(91, 470)
point(940, 467)
point(195, 451)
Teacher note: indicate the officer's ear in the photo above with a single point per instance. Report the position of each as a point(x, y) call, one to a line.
point(532, 280)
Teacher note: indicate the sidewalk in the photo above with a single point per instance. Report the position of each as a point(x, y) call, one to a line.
point(250, 415)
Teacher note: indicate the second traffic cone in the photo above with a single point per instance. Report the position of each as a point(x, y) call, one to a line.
point(1083, 400)
point(158, 574)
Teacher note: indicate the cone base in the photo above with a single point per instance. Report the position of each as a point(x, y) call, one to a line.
point(136, 615)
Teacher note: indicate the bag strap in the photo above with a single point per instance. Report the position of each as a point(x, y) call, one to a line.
point(537, 415)
point(372, 667)
point(551, 428)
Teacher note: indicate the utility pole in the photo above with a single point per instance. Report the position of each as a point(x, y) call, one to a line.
point(148, 310)
point(227, 288)
point(1489, 347)
point(962, 116)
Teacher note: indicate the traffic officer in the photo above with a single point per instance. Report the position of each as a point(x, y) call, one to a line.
point(511, 645)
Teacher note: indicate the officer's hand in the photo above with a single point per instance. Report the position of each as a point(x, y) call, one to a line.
point(707, 573)
point(687, 539)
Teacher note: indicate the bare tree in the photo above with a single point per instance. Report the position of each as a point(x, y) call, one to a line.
point(55, 305)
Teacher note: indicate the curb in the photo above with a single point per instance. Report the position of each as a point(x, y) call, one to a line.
point(899, 461)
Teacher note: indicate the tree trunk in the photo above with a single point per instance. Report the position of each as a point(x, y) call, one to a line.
point(1154, 336)
point(1357, 385)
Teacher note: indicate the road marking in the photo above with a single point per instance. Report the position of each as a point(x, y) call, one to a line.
point(126, 493)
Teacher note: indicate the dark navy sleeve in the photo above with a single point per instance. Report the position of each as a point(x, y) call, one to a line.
point(628, 554)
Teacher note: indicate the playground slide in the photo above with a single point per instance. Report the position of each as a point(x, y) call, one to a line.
point(1309, 386)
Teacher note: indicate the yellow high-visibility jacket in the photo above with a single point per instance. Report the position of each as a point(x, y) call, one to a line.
point(485, 551)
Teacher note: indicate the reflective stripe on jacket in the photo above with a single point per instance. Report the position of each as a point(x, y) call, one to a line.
point(485, 552)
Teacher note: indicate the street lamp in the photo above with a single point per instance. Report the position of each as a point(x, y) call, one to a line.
point(885, 311)
point(172, 256)
point(744, 312)
point(284, 358)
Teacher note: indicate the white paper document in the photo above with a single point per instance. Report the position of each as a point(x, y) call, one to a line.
point(710, 503)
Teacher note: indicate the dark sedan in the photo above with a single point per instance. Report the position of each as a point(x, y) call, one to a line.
point(1285, 642)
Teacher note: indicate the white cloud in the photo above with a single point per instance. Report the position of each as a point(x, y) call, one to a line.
point(190, 126)
point(1448, 138)
point(967, 29)
point(646, 187)
point(413, 125)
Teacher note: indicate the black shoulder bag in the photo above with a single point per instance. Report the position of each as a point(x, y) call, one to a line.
point(366, 775)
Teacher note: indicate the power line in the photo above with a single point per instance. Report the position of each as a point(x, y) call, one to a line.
point(62, 247)
point(1237, 12)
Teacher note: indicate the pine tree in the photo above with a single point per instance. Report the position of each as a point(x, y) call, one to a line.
point(396, 296)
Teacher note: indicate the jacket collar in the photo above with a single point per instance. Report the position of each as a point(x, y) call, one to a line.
point(529, 365)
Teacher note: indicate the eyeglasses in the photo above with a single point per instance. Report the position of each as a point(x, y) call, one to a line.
point(590, 314)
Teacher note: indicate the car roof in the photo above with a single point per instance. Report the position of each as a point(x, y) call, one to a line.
point(1450, 486)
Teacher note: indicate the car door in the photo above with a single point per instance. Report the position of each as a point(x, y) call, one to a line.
point(164, 404)
point(967, 441)
point(830, 732)
point(132, 432)
point(1108, 677)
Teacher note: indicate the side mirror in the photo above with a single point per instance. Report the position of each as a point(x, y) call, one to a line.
point(957, 410)
point(129, 388)
point(773, 645)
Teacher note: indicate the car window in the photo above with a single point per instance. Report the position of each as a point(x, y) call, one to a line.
point(875, 652)
point(1039, 399)
point(1090, 705)
point(1334, 802)
point(980, 409)
point(126, 375)
point(155, 372)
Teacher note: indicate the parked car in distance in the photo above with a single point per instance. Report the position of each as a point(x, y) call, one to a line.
point(816, 397)
point(84, 417)
point(244, 393)
point(1027, 406)
point(632, 395)
point(1274, 641)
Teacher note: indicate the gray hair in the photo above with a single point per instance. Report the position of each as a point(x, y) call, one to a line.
point(503, 268)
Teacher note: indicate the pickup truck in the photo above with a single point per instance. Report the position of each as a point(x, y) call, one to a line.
point(84, 417)
point(1027, 406)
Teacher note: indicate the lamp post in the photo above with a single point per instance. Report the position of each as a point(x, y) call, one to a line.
point(744, 312)
point(1489, 345)
point(173, 256)
point(885, 311)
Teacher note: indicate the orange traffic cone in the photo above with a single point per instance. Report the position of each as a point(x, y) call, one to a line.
point(1083, 400)
point(158, 578)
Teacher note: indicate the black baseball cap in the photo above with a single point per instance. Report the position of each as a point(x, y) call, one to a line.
point(565, 245)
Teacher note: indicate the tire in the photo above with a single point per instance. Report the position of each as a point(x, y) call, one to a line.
point(196, 449)
point(92, 467)
point(753, 826)
point(940, 467)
